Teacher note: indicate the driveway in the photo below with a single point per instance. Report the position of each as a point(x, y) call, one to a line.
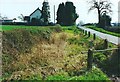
point(110, 38)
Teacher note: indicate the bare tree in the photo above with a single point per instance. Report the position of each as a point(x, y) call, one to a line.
point(21, 17)
point(102, 6)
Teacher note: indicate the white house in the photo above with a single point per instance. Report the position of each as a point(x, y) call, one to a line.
point(35, 15)
point(39, 17)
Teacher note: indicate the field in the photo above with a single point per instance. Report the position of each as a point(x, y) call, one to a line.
point(51, 53)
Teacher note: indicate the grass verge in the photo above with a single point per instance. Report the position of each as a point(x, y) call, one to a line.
point(103, 31)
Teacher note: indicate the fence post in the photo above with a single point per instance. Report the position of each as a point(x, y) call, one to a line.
point(89, 34)
point(105, 44)
point(85, 32)
point(89, 59)
point(94, 36)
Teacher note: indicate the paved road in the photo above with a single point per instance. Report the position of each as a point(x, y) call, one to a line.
point(110, 38)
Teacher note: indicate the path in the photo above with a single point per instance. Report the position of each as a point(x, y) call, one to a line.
point(110, 38)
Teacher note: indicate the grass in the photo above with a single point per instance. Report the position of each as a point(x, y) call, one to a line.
point(56, 58)
point(15, 27)
point(95, 74)
point(11, 27)
point(103, 31)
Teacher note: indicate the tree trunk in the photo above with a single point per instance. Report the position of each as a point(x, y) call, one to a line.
point(99, 17)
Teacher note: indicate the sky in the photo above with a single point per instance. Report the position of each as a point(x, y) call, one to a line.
point(13, 9)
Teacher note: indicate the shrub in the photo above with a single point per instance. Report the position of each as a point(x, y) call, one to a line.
point(114, 61)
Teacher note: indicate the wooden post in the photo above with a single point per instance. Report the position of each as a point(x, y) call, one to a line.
point(85, 32)
point(89, 59)
point(105, 44)
point(94, 36)
point(89, 34)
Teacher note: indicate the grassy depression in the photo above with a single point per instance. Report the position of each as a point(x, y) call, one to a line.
point(47, 53)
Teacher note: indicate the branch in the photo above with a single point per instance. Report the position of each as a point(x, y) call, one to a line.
point(92, 8)
point(102, 3)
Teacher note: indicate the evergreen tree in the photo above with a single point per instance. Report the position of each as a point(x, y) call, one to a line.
point(45, 13)
point(66, 14)
point(70, 12)
point(60, 14)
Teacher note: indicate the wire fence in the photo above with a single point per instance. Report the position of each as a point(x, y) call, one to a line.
point(90, 53)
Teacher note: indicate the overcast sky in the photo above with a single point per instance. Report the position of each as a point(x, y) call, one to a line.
point(13, 8)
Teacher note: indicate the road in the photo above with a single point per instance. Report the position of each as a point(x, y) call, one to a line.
point(110, 38)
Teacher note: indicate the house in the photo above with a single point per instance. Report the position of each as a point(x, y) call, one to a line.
point(39, 17)
point(6, 20)
point(36, 15)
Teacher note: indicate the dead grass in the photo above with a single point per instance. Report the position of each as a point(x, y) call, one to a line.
point(45, 55)
point(46, 58)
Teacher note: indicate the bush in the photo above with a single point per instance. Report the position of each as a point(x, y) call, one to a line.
point(107, 59)
point(114, 61)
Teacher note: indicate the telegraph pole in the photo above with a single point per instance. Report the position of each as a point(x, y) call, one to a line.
point(54, 14)
point(119, 13)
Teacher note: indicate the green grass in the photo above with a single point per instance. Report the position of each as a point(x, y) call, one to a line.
point(94, 74)
point(12, 27)
point(103, 31)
